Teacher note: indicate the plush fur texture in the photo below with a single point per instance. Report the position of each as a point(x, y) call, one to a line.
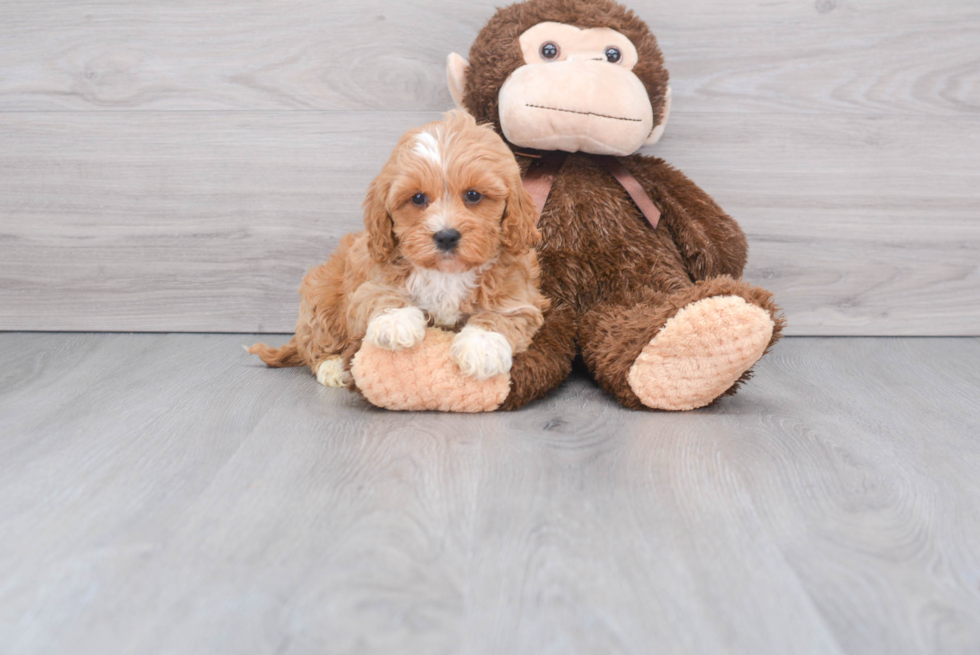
point(425, 378)
point(614, 282)
point(577, 100)
point(385, 285)
point(616, 334)
point(700, 352)
point(496, 52)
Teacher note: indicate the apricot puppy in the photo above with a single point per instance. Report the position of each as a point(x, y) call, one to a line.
point(449, 242)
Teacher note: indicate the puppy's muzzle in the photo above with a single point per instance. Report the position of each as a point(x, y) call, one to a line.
point(446, 240)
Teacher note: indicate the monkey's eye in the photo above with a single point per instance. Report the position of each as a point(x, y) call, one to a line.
point(473, 197)
point(549, 51)
point(613, 55)
point(419, 199)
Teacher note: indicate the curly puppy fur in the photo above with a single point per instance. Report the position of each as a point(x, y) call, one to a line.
point(371, 283)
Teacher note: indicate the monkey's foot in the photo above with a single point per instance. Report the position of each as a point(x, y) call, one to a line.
point(700, 353)
point(424, 377)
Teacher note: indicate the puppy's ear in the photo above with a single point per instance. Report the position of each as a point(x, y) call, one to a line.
point(377, 220)
point(520, 224)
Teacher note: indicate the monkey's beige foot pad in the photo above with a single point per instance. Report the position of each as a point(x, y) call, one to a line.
point(700, 353)
point(424, 378)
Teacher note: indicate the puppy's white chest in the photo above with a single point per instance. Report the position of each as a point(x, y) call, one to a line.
point(441, 294)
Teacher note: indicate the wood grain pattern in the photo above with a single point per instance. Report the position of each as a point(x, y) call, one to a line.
point(823, 56)
point(178, 166)
point(206, 221)
point(164, 493)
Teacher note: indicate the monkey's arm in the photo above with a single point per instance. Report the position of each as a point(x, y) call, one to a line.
point(709, 240)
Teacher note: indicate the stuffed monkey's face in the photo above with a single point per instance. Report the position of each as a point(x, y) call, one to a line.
point(577, 92)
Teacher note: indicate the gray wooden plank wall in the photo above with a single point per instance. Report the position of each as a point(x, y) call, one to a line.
point(179, 165)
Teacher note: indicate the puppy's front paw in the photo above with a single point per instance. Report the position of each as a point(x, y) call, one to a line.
point(397, 329)
point(481, 353)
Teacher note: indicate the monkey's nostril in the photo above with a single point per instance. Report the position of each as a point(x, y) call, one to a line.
point(446, 240)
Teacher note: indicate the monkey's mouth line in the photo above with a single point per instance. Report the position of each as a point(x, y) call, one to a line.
point(585, 113)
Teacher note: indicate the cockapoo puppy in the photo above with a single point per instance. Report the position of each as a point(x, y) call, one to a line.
point(449, 243)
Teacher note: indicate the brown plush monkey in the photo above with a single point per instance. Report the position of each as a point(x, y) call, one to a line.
point(658, 313)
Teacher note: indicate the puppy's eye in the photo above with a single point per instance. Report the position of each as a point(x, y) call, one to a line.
point(549, 51)
point(419, 199)
point(473, 197)
point(613, 55)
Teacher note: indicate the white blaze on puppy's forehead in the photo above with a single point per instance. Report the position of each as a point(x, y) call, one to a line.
point(427, 147)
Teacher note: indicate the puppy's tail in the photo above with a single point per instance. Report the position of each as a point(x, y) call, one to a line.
point(288, 355)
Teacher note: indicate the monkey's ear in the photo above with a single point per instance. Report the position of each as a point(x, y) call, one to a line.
point(658, 131)
point(377, 220)
point(456, 68)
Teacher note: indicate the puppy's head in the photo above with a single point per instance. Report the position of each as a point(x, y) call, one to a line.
point(450, 198)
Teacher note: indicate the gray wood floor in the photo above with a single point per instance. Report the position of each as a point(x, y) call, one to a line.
point(165, 494)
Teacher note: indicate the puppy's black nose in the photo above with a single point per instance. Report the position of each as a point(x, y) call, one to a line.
point(446, 240)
